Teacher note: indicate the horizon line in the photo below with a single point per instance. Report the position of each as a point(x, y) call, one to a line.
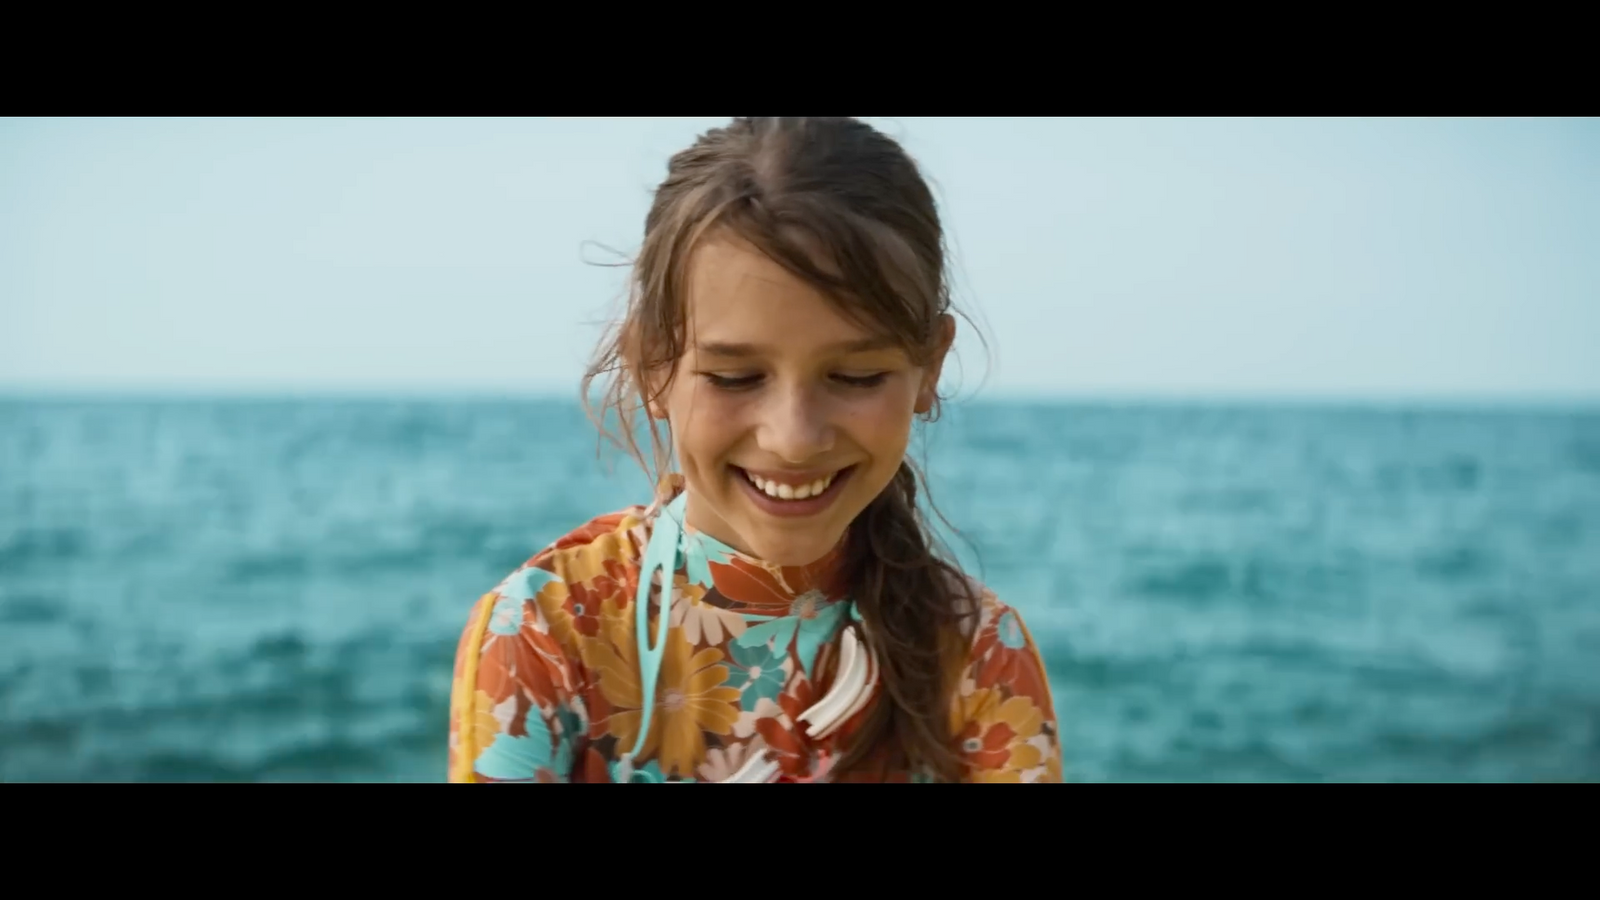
point(997, 396)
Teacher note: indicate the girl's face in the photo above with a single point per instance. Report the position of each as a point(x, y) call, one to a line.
point(787, 418)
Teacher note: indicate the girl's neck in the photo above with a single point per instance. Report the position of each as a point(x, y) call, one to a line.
point(730, 567)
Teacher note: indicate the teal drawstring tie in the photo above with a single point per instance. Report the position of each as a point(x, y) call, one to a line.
point(660, 555)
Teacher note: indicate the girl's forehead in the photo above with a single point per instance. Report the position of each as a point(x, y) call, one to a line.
point(723, 265)
point(740, 301)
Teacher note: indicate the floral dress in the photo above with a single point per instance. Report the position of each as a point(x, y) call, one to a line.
point(548, 684)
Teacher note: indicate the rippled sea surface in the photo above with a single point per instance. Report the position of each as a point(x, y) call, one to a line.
point(255, 590)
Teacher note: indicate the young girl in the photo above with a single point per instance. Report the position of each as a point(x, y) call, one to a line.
point(777, 613)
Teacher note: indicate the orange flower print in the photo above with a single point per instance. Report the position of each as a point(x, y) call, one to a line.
point(993, 735)
point(797, 699)
point(528, 660)
point(744, 581)
point(788, 750)
point(784, 746)
point(1000, 650)
point(584, 564)
point(749, 585)
point(593, 769)
point(585, 599)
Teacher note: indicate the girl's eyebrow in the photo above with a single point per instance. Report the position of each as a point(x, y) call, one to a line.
point(742, 351)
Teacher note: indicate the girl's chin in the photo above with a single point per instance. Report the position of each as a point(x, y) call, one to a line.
point(787, 552)
point(746, 521)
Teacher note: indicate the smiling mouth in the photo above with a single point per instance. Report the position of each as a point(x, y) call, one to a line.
point(789, 499)
point(782, 491)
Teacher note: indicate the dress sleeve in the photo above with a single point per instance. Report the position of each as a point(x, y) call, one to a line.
point(1003, 715)
point(515, 715)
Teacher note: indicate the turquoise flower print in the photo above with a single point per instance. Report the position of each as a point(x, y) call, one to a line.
point(759, 675)
point(527, 582)
point(511, 758)
point(522, 586)
point(506, 617)
point(811, 622)
point(699, 552)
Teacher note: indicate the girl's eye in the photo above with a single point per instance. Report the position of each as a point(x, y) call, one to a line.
point(727, 383)
point(862, 381)
point(745, 382)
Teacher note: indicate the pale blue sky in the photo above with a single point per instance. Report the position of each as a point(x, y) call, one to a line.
point(1343, 258)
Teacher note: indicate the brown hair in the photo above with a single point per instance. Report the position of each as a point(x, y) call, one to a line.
point(843, 207)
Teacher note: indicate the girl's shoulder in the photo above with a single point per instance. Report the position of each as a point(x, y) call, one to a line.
point(993, 638)
point(603, 545)
point(979, 606)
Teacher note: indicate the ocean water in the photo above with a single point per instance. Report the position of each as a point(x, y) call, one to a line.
point(255, 590)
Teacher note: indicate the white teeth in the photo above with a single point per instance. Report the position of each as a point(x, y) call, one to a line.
point(789, 492)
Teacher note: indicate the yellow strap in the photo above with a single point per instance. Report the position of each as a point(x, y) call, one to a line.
point(467, 749)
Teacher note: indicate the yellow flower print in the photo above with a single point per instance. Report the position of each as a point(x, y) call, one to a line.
point(583, 563)
point(552, 604)
point(613, 658)
point(993, 734)
point(690, 697)
point(691, 701)
point(484, 723)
